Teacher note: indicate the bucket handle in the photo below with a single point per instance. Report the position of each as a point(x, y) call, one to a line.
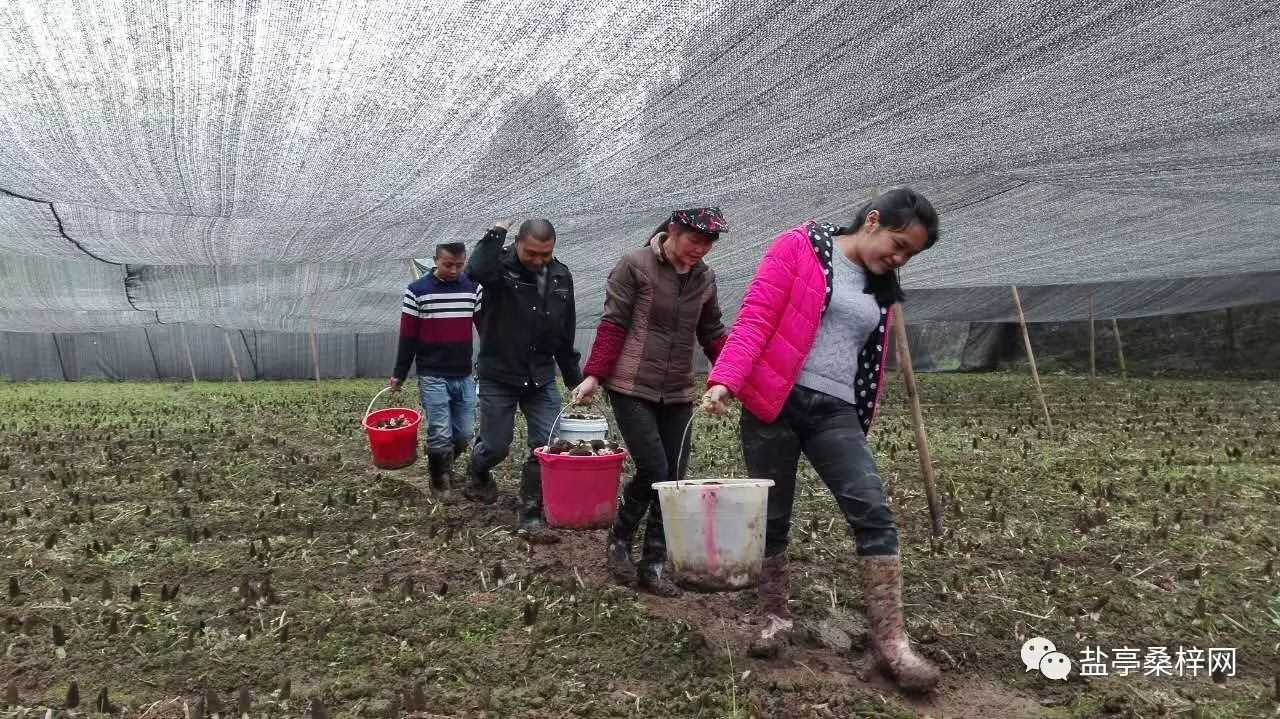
point(684, 457)
point(369, 411)
point(556, 423)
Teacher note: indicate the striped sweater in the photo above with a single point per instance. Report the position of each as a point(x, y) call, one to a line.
point(435, 327)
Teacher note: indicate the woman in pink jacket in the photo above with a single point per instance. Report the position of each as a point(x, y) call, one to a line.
point(806, 359)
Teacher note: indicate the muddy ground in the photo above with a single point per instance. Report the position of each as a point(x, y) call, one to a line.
point(212, 548)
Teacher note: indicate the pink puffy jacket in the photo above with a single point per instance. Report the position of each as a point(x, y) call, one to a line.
point(777, 325)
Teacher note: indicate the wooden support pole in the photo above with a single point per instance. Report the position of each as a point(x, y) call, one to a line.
point(235, 363)
point(1031, 357)
point(903, 352)
point(190, 363)
point(315, 354)
point(1115, 327)
point(1093, 341)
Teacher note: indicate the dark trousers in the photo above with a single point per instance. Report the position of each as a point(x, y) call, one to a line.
point(498, 404)
point(827, 431)
point(651, 432)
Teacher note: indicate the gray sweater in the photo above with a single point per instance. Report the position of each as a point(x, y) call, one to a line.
point(849, 320)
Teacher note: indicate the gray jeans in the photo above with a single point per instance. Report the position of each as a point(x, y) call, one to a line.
point(498, 404)
point(827, 431)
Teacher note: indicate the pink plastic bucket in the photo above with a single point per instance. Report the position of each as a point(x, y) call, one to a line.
point(580, 492)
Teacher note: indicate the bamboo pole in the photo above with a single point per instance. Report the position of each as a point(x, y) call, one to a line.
point(903, 351)
point(190, 363)
point(1093, 342)
point(1115, 327)
point(1031, 357)
point(235, 364)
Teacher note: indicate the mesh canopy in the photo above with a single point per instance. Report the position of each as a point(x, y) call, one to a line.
point(270, 166)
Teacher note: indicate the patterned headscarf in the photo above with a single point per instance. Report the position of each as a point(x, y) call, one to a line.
point(703, 219)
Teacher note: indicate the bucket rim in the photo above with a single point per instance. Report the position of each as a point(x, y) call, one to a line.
point(416, 419)
point(721, 481)
point(581, 422)
point(541, 452)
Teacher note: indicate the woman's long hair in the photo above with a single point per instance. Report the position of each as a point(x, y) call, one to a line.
point(899, 208)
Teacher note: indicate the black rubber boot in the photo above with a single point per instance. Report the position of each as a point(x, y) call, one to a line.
point(459, 449)
point(654, 580)
point(480, 485)
point(652, 574)
point(440, 469)
point(529, 522)
point(617, 551)
point(617, 558)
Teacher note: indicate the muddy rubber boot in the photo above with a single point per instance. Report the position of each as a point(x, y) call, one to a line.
point(653, 579)
point(440, 469)
point(617, 559)
point(617, 551)
point(882, 592)
point(774, 590)
point(480, 485)
point(652, 574)
point(529, 522)
point(459, 449)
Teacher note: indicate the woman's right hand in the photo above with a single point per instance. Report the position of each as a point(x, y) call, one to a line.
point(585, 392)
point(715, 401)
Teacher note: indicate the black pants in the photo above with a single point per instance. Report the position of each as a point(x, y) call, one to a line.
point(651, 432)
point(827, 431)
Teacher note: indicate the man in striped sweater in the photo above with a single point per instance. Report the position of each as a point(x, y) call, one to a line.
point(435, 333)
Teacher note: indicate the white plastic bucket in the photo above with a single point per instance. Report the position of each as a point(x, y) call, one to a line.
point(573, 430)
point(715, 531)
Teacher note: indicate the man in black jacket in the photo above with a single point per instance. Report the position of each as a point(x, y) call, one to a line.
point(526, 328)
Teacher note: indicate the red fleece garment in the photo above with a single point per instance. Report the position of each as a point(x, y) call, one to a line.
point(605, 351)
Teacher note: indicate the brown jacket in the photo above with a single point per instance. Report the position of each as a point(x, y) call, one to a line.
point(661, 317)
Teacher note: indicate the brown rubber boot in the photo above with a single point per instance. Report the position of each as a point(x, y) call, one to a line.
point(882, 592)
point(774, 590)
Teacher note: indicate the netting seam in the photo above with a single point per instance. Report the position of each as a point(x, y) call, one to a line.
point(992, 196)
point(62, 230)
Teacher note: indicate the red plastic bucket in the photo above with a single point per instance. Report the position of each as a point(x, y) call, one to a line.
point(580, 492)
point(392, 448)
